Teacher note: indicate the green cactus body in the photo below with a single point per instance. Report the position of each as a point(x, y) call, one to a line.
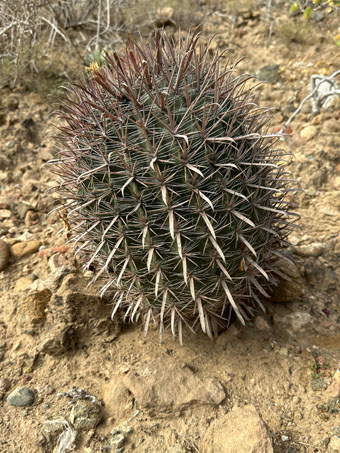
point(177, 193)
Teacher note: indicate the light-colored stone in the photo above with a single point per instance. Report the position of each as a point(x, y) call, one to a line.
point(23, 283)
point(166, 12)
point(22, 249)
point(165, 17)
point(171, 388)
point(5, 213)
point(242, 430)
point(330, 211)
point(283, 352)
point(334, 389)
point(314, 249)
point(334, 444)
point(38, 285)
point(309, 132)
point(297, 320)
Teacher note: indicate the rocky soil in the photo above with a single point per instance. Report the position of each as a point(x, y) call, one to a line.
point(71, 377)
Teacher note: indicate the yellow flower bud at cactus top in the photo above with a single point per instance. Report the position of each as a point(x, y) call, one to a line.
point(93, 68)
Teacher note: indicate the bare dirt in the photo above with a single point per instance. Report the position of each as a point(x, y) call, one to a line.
point(55, 333)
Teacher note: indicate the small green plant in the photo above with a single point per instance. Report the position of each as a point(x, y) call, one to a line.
point(173, 188)
point(96, 57)
point(319, 368)
point(307, 8)
point(315, 368)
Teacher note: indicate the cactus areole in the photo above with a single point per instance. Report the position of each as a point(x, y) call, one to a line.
point(174, 190)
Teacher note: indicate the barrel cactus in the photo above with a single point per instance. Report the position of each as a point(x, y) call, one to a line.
point(172, 188)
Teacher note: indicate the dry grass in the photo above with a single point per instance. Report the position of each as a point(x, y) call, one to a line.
point(293, 32)
point(55, 68)
point(234, 7)
point(40, 40)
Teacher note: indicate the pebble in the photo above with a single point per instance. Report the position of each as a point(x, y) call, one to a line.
point(296, 321)
point(5, 213)
point(23, 283)
point(309, 132)
point(314, 249)
point(52, 429)
point(329, 211)
point(318, 384)
point(269, 73)
point(318, 16)
point(22, 209)
point(334, 444)
point(4, 255)
point(5, 384)
point(24, 237)
point(284, 352)
point(31, 218)
point(21, 397)
point(22, 249)
point(261, 324)
point(86, 415)
point(165, 17)
point(119, 435)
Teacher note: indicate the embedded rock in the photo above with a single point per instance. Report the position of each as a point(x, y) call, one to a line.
point(22, 249)
point(308, 132)
point(269, 73)
point(242, 430)
point(21, 397)
point(171, 388)
point(86, 415)
point(32, 310)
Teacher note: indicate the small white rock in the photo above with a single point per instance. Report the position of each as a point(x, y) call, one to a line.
point(308, 132)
